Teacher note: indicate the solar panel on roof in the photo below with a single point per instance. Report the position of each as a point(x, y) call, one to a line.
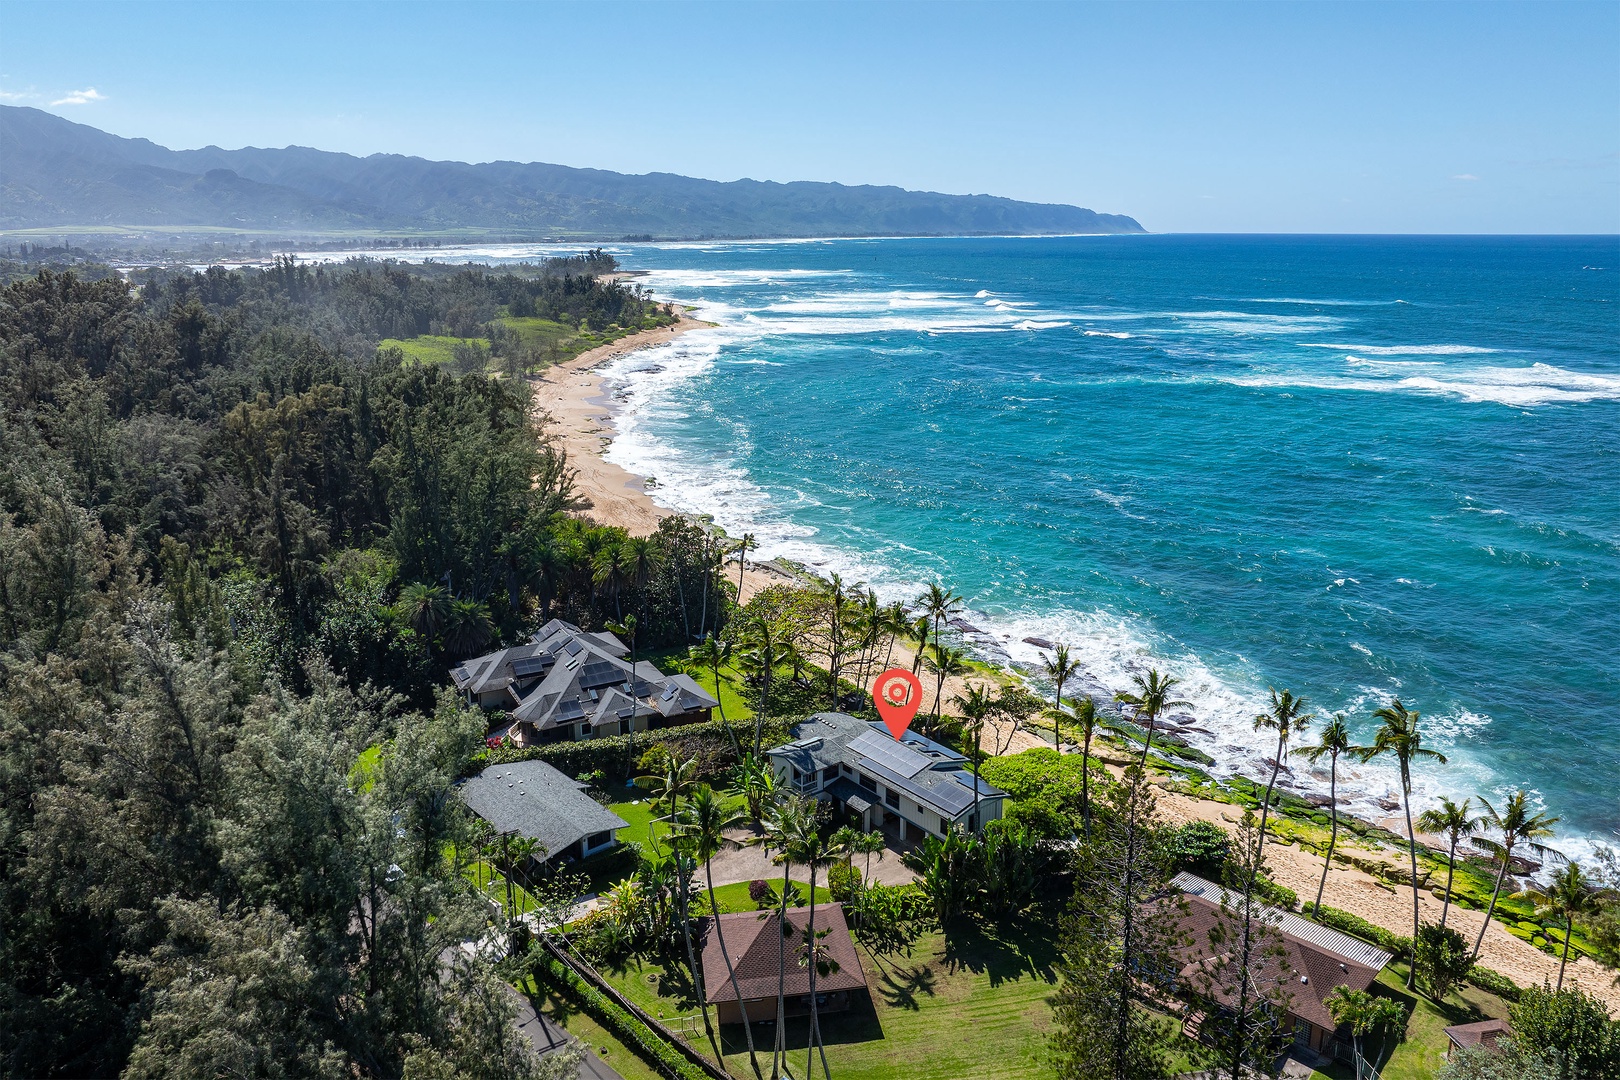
point(894, 756)
point(669, 695)
point(572, 648)
point(952, 798)
point(529, 665)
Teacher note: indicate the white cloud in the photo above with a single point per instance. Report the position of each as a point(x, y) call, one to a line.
point(17, 95)
point(1465, 176)
point(81, 97)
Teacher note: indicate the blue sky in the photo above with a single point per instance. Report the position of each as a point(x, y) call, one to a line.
point(1429, 117)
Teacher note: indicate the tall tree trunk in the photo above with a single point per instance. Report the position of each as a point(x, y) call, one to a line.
point(1411, 846)
point(1085, 786)
point(779, 1056)
point(815, 1014)
point(731, 972)
point(1148, 745)
point(1569, 932)
point(682, 900)
point(1507, 854)
point(1451, 871)
point(1333, 829)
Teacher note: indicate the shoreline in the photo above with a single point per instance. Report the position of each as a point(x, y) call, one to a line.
point(573, 395)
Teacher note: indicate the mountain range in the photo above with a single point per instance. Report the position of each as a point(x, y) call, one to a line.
point(56, 173)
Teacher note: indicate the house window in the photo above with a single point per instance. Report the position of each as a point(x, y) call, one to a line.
point(892, 798)
point(866, 782)
point(829, 774)
point(596, 840)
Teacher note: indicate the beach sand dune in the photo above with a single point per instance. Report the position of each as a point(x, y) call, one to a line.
point(579, 414)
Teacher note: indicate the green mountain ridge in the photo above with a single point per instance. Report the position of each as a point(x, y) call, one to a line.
point(56, 173)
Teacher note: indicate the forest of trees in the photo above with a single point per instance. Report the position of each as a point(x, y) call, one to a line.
point(239, 546)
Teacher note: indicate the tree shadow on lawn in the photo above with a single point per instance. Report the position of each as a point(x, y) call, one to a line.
point(899, 986)
point(1005, 953)
point(857, 1024)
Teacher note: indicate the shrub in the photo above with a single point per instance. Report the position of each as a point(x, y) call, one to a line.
point(710, 743)
point(1199, 846)
point(1274, 894)
point(843, 881)
point(1496, 983)
point(1356, 926)
point(607, 1012)
point(1569, 1027)
point(1442, 959)
point(761, 893)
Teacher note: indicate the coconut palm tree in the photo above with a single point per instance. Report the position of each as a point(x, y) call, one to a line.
point(1152, 697)
point(783, 822)
point(762, 651)
point(975, 708)
point(714, 655)
point(1398, 737)
point(1287, 717)
point(705, 821)
point(754, 783)
point(1085, 716)
point(1334, 740)
point(807, 846)
point(917, 633)
point(668, 789)
point(939, 605)
point(1568, 895)
point(744, 546)
point(1453, 822)
point(1060, 669)
point(945, 662)
point(681, 847)
point(893, 626)
point(1515, 825)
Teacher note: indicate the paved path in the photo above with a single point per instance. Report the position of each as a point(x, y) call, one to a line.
point(546, 1036)
point(736, 862)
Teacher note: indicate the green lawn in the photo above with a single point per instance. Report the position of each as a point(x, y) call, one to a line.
point(974, 1008)
point(1423, 1052)
point(732, 701)
point(619, 1056)
point(636, 810)
point(429, 348)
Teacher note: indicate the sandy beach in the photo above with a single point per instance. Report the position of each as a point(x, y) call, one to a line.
point(580, 415)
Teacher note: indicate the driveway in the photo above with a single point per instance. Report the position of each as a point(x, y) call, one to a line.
point(547, 1037)
point(749, 862)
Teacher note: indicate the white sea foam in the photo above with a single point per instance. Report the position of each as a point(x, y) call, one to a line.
point(1524, 387)
point(1402, 350)
point(1107, 333)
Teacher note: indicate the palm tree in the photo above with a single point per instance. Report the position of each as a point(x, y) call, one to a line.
point(425, 608)
point(1151, 698)
point(1060, 669)
point(744, 546)
point(917, 632)
point(681, 847)
point(1287, 718)
point(762, 652)
point(1516, 825)
point(893, 624)
point(668, 789)
point(1570, 893)
point(467, 627)
point(975, 707)
point(1398, 736)
point(939, 605)
point(807, 846)
point(1335, 740)
point(753, 782)
point(1085, 715)
point(783, 823)
point(1453, 822)
point(714, 655)
point(944, 662)
point(868, 844)
point(705, 821)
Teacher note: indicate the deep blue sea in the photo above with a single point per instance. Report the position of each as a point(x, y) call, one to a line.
point(1354, 467)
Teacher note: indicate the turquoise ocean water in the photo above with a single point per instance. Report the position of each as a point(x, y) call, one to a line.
point(1353, 467)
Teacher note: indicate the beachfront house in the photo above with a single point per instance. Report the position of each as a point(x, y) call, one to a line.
point(1311, 962)
point(532, 799)
point(754, 941)
point(913, 786)
point(566, 684)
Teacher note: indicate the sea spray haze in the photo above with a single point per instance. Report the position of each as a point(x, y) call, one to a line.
point(1352, 467)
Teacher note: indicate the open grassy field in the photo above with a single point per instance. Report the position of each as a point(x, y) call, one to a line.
point(429, 348)
point(634, 805)
point(973, 1007)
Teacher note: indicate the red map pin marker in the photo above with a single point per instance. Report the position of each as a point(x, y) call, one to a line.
point(897, 695)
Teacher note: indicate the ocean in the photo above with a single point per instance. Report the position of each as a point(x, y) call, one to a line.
point(1353, 467)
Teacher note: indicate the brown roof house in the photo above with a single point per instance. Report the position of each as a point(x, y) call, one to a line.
point(1479, 1033)
point(1313, 961)
point(754, 941)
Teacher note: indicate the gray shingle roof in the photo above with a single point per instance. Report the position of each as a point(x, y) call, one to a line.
point(535, 800)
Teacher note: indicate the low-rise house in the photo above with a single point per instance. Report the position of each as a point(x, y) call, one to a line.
point(530, 798)
point(1480, 1033)
point(1313, 960)
point(912, 785)
point(754, 941)
point(566, 684)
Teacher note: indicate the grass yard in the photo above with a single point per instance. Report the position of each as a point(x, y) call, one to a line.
point(730, 694)
point(636, 810)
point(429, 348)
point(618, 1056)
point(975, 1007)
point(1423, 1052)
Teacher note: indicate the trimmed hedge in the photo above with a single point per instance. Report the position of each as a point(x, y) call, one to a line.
point(605, 1011)
point(1496, 983)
